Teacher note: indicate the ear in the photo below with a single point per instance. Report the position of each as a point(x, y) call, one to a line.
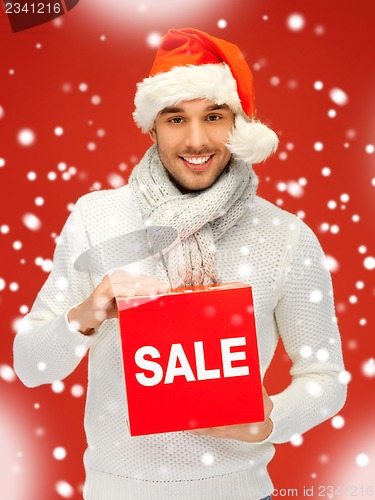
point(152, 134)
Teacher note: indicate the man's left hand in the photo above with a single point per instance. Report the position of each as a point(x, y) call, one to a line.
point(251, 433)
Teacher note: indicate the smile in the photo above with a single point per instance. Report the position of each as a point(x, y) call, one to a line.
point(196, 160)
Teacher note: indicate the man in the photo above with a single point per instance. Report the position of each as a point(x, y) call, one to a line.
point(198, 107)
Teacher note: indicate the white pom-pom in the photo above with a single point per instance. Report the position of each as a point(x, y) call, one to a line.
point(251, 141)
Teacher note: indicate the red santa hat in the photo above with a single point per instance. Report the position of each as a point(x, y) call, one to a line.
point(191, 64)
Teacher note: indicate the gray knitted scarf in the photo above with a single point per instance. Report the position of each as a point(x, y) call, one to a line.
point(199, 219)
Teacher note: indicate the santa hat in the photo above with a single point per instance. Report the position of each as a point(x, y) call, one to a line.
point(191, 64)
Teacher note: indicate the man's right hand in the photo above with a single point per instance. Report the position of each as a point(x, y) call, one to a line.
point(101, 304)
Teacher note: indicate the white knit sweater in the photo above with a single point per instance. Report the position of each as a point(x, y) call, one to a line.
point(274, 252)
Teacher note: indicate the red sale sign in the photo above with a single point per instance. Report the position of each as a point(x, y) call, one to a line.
point(191, 359)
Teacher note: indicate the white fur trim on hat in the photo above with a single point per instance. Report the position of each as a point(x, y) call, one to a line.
point(251, 141)
point(184, 83)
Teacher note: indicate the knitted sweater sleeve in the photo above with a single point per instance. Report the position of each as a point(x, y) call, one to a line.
point(47, 348)
point(307, 324)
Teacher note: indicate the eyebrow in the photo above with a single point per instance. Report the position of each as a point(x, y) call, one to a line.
point(177, 109)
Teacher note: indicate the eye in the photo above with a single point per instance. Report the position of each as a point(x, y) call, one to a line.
point(213, 118)
point(176, 119)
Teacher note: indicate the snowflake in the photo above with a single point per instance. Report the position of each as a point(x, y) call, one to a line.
point(26, 137)
point(96, 100)
point(338, 96)
point(208, 459)
point(296, 22)
point(64, 489)
point(59, 131)
point(58, 386)
point(7, 373)
point(368, 368)
point(296, 440)
point(153, 39)
point(77, 391)
point(338, 422)
point(316, 296)
point(369, 263)
point(59, 453)
point(362, 460)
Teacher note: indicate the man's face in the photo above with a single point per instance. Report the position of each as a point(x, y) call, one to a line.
point(190, 138)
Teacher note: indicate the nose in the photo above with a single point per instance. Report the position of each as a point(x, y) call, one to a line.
point(196, 136)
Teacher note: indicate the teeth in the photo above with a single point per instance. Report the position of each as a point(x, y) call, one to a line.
point(197, 161)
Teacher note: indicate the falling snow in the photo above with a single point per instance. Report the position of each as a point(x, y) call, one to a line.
point(58, 386)
point(338, 422)
point(208, 459)
point(32, 222)
point(295, 189)
point(7, 373)
point(332, 203)
point(331, 264)
point(369, 263)
point(13, 287)
point(316, 296)
point(368, 368)
point(296, 22)
point(31, 176)
point(51, 176)
point(77, 391)
point(115, 180)
point(338, 96)
point(26, 137)
point(314, 388)
point(153, 40)
point(322, 355)
point(96, 100)
point(296, 440)
point(344, 377)
point(362, 460)
point(59, 131)
point(64, 489)
point(306, 351)
point(59, 453)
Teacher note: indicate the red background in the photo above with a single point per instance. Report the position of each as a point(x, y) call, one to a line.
point(104, 44)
